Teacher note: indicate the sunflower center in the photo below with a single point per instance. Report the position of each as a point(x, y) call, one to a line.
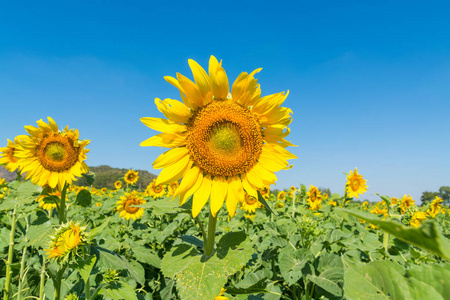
point(11, 155)
point(157, 189)
point(56, 153)
point(129, 209)
point(224, 138)
point(250, 200)
point(355, 184)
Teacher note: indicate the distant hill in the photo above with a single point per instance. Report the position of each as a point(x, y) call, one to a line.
point(105, 176)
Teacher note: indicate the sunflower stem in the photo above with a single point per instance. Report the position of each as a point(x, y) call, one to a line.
point(209, 246)
point(62, 205)
point(41, 287)
point(7, 288)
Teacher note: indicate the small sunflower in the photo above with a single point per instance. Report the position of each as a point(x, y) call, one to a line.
point(126, 210)
point(265, 192)
point(417, 219)
point(66, 241)
point(406, 202)
point(155, 190)
point(279, 204)
point(173, 187)
point(380, 211)
point(118, 184)
point(394, 201)
point(131, 177)
point(356, 185)
point(314, 195)
point(98, 204)
point(222, 145)
point(332, 203)
point(48, 205)
point(250, 203)
point(281, 196)
point(52, 157)
point(7, 154)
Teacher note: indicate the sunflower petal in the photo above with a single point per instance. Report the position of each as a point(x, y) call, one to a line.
point(218, 194)
point(173, 110)
point(167, 140)
point(201, 196)
point(163, 125)
point(201, 79)
point(173, 172)
point(170, 157)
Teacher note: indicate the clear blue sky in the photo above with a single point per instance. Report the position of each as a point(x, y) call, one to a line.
point(369, 81)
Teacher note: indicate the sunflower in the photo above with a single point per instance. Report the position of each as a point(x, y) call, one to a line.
point(131, 177)
point(49, 205)
point(356, 185)
point(173, 187)
point(406, 202)
point(417, 219)
point(435, 207)
point(250, 203)
point(314, 195)
point(394, 201)
point(7, 154)
point(66, 241)
point(222, 144)
point(155, 190)
point(281, 195)
point(130, 212)
point(118, 184)
point(52, 157)
point(265, 192)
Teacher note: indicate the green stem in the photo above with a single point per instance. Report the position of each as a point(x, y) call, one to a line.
point(62, 205)
point(57, 283)
point(94, 294)
point(293, 207)
point(209, 246)
point(41, 287)
point(202, 229)
point(7, 288)
point(22, 269)
point(386, 241)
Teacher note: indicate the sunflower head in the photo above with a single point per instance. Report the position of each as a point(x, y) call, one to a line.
point(281, 195)
point(173, 187)
point(406, 202)
point(356, 185)
point(250, 204)
point(66, 241)
point(50, 156)
point(417, 219)
point(8, 154)
point(126, 208)
point(118, 184)
point(50, 200)
point(314, 195)
point(222, 144)
point(131, 177)
point(155, 190)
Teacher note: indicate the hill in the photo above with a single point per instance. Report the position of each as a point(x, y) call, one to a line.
point(105, 176)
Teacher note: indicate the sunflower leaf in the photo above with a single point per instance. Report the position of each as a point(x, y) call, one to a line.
point(266, 205)
point(200, 277)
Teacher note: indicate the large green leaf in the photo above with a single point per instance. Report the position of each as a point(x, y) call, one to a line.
point(427, 236)
point(292, 263)
point(375, 281)
point(118, 291)
point(84, 267)
point(38, 235)
point(331, 277)
point(433, 279)
point(199, 277)
point(25, 193)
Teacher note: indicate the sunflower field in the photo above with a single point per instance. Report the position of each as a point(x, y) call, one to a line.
point(209, 227)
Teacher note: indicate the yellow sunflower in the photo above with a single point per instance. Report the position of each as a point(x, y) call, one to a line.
point(66, 241)
point(221, 144)
point(155, 190)
point(7, 154)
point(173, 187)
point(417, 219)
point(52, 157)
point(281, 195)
point(250, 203)
point(406, 202)
point(265, 192)
point(49, 205)
point(131, 177)
point(130, 212)
point(356, 185)
point(314, 195)
point(118, 184)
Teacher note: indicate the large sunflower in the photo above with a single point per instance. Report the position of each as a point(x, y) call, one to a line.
point(52, 157)
point(221, 143)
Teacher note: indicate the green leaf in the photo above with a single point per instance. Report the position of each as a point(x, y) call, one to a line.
point(266, 205)
point(199, 277)
point(292, 262)
point(163, 206)
point(89, 177)
point(25, 193)
point(192, 240)
point(252, 283)
point(432, 279)
point(374, 281)
point(84, 198)
point(114, 261)
point(84, 267)
point(426, 237)
point(118, 291)
point(99, 229)
point(38, 235)
point(145, 255)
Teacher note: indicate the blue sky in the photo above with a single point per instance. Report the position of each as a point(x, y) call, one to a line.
point(368, 81)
